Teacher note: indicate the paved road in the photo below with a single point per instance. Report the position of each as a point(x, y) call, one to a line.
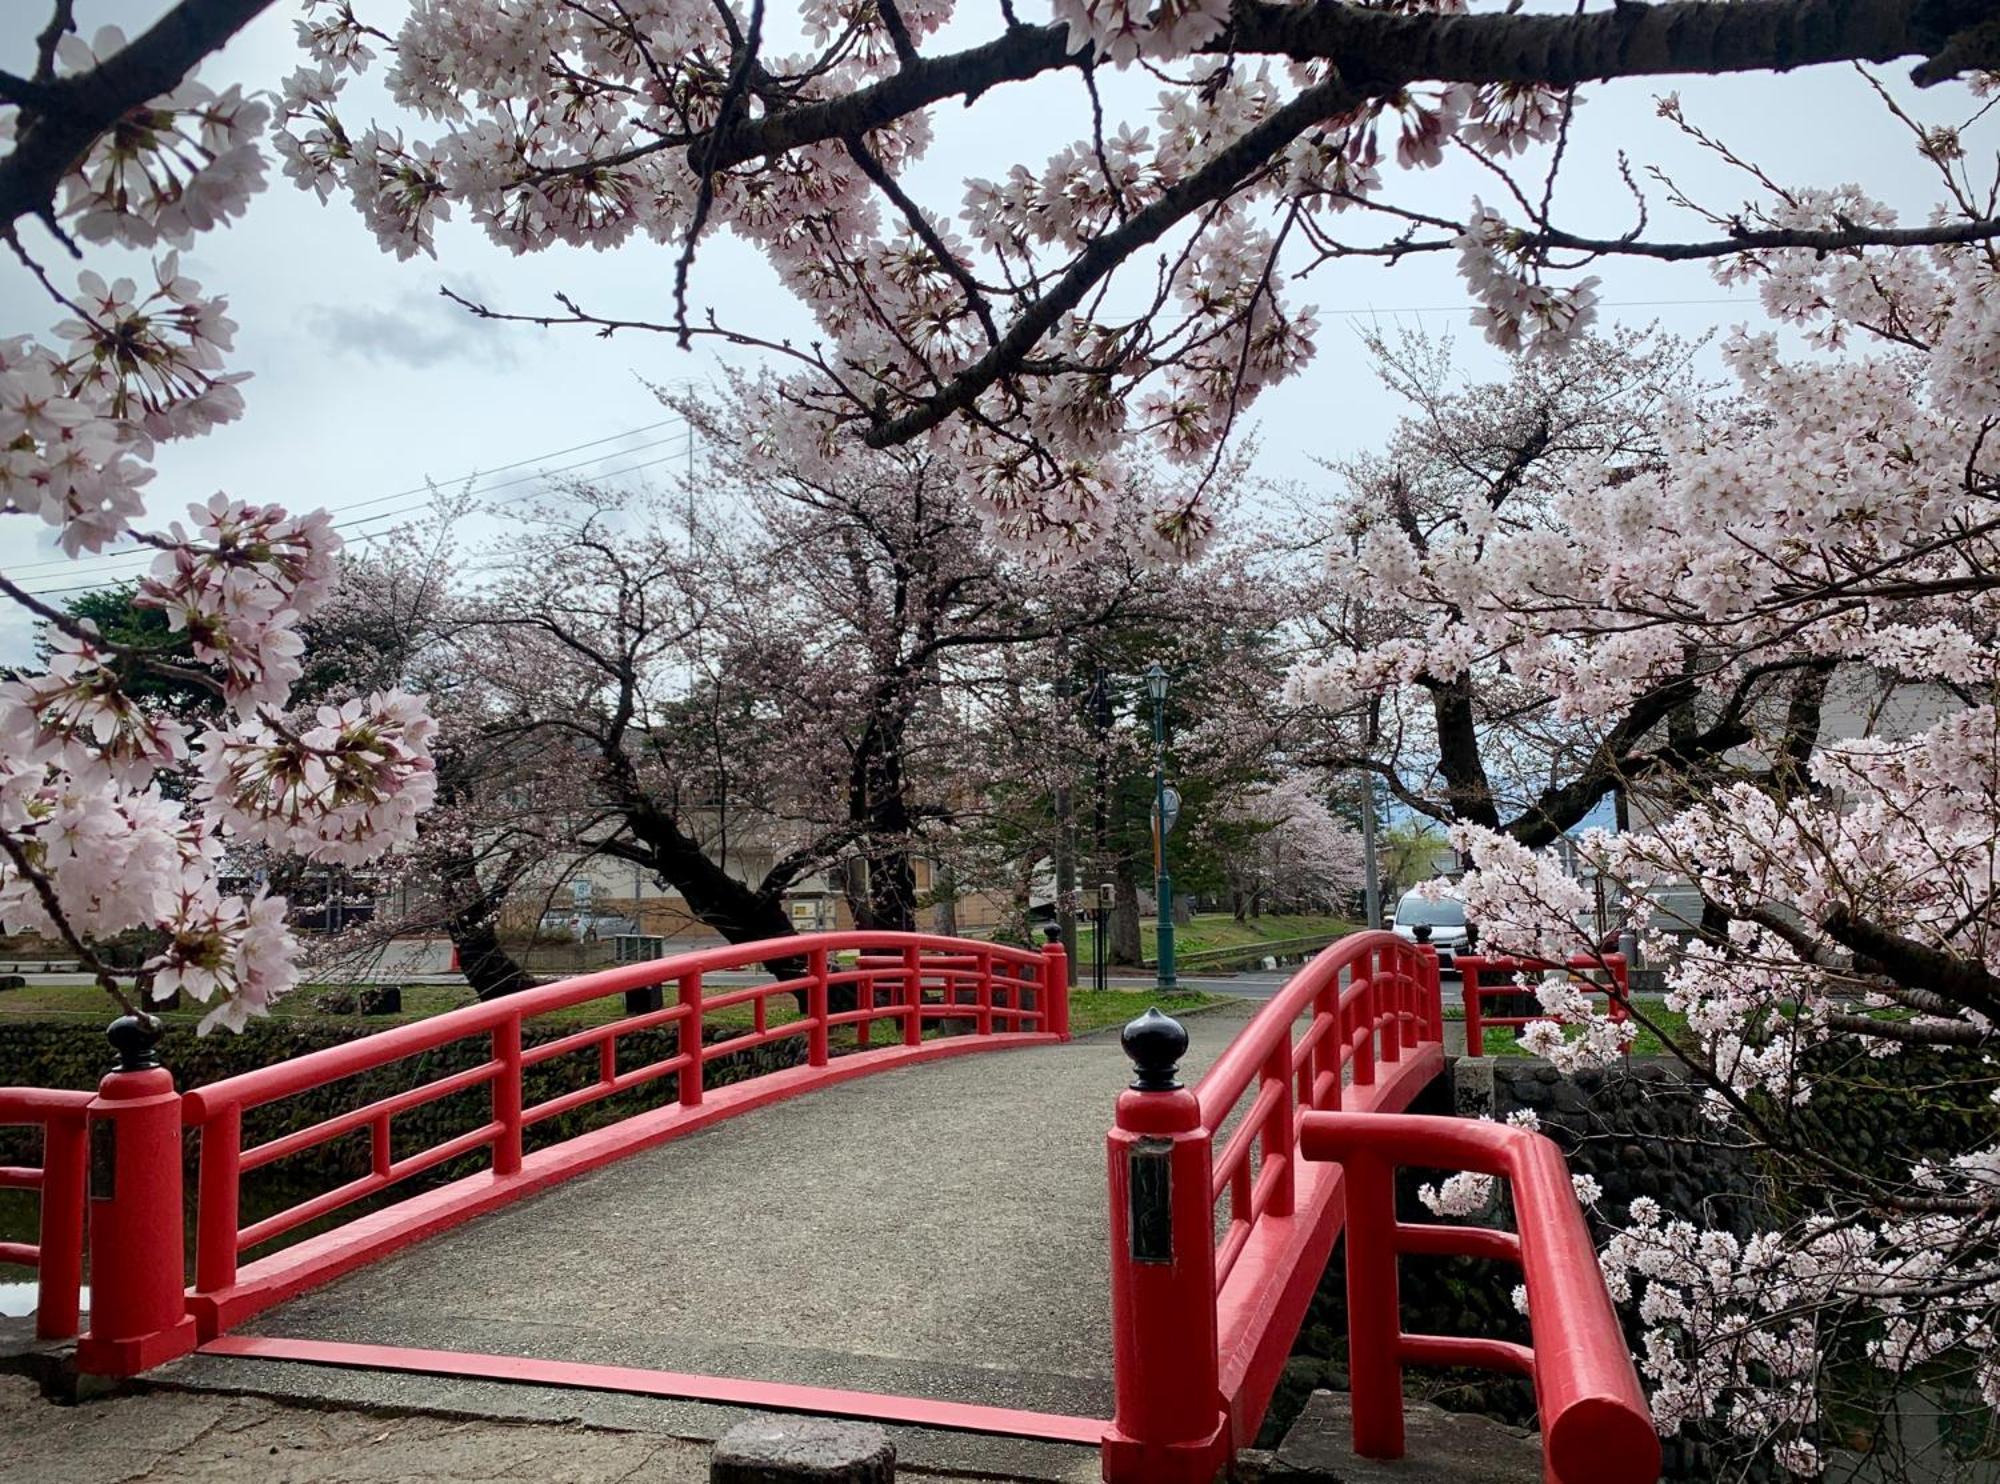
point(939, 1230)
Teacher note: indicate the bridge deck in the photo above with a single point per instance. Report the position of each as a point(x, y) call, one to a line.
point(938, 1231)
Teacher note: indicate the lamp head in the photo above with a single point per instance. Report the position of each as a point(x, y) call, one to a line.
point(1156, 681)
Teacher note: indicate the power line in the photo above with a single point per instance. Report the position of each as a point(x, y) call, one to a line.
point(124, 566)
point(93, 586)
point(67, 566)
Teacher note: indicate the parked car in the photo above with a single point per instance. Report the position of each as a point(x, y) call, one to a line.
point(1444, 916)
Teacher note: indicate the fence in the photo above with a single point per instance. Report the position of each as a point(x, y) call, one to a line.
point(141, 1314)
point(57, 1253)
point(1491, 976)
point(1203, 1323)
point(1594, 1423)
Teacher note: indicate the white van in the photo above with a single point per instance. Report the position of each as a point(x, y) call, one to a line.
point(1445, 917)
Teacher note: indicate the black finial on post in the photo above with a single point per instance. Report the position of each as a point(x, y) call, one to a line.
point(1423, 932)
point(136, 1039)
point(1052, 932)
point(1156, 1043)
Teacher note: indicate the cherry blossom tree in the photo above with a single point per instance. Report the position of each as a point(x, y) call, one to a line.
point(669, 120)
point(1292, 849)
point(1831, 519)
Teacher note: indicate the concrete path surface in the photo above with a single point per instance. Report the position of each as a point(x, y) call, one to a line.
point(936, 1231)
point(210, 1439)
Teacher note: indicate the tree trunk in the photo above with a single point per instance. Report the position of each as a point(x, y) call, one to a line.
point(1467, 787)
point(878, 801)
point(1125, 940)
point(472, 914)
point(737, 911)
point(1238, 905)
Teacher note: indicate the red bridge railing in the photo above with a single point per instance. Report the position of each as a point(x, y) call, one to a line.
point(1206, 1303)
point(1492, 976)
point(1594, 1422)
point(57, 1252)
point(1000, 996)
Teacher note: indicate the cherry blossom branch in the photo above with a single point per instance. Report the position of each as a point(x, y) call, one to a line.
point(53, 135)
point(1249, 154)
point(137, 653)
point(52, 905)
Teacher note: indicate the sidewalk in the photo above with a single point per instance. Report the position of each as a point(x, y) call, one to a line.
point(204, 1438)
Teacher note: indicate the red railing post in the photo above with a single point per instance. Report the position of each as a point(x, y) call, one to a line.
point(1361, 1035)
point(1169, 1424)
point(913, 995)
point(1475, 1032)
point(60, 1261)
point(1278, 1140)
point(1621, 990)
point(982, 1019)
point(507, 1096)
point(816, 1008)
point(1054, 996)
point(218, 1190)
point(691, 1040)
point(1374, 1321)
point(138, 1305)
point(1329, 1056)
point(1416, 997)
point(1433, 990)
point(1387, 1005)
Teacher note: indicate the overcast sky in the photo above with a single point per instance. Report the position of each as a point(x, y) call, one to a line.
point(366, 383)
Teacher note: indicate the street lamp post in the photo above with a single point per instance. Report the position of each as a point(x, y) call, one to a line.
point(1156, 688)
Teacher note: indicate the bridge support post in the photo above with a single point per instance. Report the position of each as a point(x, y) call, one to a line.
point(1475, 1030)
point(1054, 993)
point(138, 1304)
point(1374, 1319)
point(1170, 1425)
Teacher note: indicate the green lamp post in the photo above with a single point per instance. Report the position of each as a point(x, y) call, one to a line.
point(1163, 821)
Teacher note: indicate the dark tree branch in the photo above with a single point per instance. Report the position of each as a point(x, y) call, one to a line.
point(1965, 982)
point(54, 136)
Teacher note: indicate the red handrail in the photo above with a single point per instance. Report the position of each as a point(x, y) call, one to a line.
point(923, 963)
point(1202, 1327)
point(1471, 966)
point(1594, 1422)
point(57, 1253)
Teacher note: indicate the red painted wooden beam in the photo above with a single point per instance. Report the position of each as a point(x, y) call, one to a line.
point(768, 1396)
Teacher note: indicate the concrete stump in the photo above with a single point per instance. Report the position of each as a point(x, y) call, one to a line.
point(791, 1450)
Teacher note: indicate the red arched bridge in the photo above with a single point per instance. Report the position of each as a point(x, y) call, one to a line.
point(946, 1184)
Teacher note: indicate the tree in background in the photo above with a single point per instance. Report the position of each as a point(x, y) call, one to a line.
point(1831, 525)
point(1407, 853)
point(1291, 851)
point(551, 125)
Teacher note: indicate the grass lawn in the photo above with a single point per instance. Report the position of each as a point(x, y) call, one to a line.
point(1211, 930)
point(87, 1004)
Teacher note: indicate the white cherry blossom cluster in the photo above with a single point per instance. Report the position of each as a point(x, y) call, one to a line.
point(237, 583)
point(335, 786)
point(188, 161)
point(548, 124)
point(94, 839)
point(1738, 1328)
point(1516, 310)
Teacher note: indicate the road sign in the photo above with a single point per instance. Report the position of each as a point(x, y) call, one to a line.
point(1170, 809)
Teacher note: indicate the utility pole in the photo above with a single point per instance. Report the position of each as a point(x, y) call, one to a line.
point(1373, 877)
